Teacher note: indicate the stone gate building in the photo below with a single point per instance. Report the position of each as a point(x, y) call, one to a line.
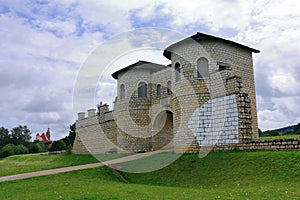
point(205, 97)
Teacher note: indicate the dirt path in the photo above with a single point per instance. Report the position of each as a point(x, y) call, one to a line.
point(78, 167)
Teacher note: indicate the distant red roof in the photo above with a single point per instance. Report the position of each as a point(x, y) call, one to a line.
point(42, 138)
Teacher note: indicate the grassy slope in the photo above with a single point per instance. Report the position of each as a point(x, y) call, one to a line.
point(18, 164)
point(34, 162)
point(226, 169)
point(235, 175)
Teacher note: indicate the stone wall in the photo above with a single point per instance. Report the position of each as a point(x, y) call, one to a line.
point(216, 121)
point(93, 138)
point(275, 144)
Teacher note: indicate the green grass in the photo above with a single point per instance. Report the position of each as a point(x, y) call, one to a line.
point(18, 164)
point(278, 137)
point(35, 162)
point(222, 175)
point(242, 169)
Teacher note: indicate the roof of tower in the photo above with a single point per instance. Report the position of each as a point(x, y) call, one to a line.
point(204, 37)
point(152, 67)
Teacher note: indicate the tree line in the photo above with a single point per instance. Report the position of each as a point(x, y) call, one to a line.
point(294, 131)
point(18, 141)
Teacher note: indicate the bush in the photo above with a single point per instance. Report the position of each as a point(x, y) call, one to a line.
point(273, 133)
point(260, 133)
point(42, 146)
point(34, 148)
point(21, 149)
point(58, 146)
point(7, 150)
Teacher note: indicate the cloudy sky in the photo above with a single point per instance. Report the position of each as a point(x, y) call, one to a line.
point(44, 45)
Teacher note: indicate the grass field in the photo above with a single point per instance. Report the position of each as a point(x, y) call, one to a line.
point(18, 164)
point(223, 175)
point(35, 162)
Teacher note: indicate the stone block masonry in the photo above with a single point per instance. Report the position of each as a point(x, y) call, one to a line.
point(274, 145)
point(93, 138)
point(216, 122)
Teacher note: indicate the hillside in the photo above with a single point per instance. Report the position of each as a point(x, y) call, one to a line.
point(225, 170)
point(221, 175)
point(283, 129)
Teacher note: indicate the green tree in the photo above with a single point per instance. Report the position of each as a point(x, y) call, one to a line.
point(21, 149)
point(34, 148)
point(41, 145)
point(4, 137)
point(20, 135)
point(260, 133)
point(69, 140)
point(58, 145)
point(7, 150)
point(297, 129)
point(273, 133)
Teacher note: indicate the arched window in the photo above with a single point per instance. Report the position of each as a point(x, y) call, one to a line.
point(177, 72)
point(158, 90)
point(169, 87)
point(142, 90)
point(122, 91)
point(202, 68)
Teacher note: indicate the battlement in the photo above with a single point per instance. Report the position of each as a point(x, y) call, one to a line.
point(91, 113)
point(103, 113)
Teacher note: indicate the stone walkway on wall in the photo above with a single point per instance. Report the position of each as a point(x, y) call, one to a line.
point(78, 167)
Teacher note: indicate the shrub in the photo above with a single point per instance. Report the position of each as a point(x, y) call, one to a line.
point(21, 149)
point(7, 150)
point(58, 146)
point(34, 148)
point(273, 133)
point(42, 146)
point(260, 133)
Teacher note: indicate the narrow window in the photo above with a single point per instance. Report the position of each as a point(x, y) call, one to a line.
point(223, 66)
point(142, 90)
point(122, 92)
point(158, 90)
point(202, 68)
point(177, 72)
point(169, 87)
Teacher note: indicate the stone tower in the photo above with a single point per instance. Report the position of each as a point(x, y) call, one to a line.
point(48, 134)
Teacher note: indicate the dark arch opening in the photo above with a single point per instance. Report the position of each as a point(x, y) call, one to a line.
point(163, 131)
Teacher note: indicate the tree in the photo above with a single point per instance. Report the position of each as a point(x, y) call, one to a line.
point(72, 133)
point(4, 137)
point(21, 149)
point(20, 135)
point(69, 140)
point(58, 146)
point(297, 129)
point(7, 150)
point(34, 148)
point(42, 147)
point(260, 133)
point(273, 133)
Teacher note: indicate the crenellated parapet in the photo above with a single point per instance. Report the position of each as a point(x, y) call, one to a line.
point(95, 131)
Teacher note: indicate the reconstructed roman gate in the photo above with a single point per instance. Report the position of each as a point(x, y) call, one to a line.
point(204, 99)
